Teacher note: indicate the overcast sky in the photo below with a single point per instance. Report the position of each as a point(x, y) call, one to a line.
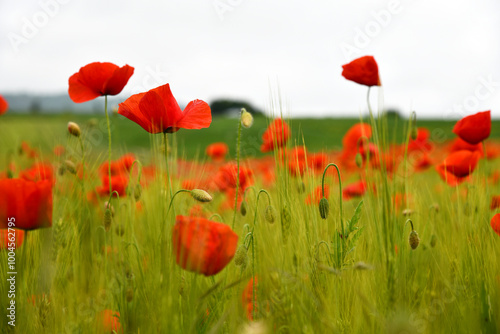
point(440, 58)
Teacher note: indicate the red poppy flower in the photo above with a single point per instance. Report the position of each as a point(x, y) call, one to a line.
point(118, 166)
point(39, 171)
point(421, 143)
point(353, 139)
point(4, 106)
point(458, 144)
point(474, 128)
point(157, 111)
point(495, 202)
point(226, 177)
point(276, 135)
point(119, 184)
point(203, 246)
point(461, 163)
point(356, 189)
point(98, 79)
point(495, 223)
point(108, 321)
point(14, 237)
point(29, 202)
point(363, 71)
point(217, 151)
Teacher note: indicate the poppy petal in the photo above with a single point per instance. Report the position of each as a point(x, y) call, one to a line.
point(474, 128)
point(3, 105)
point(118, 80)
point(196, 115)
point(130, 109)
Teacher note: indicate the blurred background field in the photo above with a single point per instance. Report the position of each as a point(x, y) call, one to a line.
point(44, 131)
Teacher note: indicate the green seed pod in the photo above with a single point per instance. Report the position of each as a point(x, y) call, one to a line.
point(270, 214)
point(129, 294)
point(243, 208)
point(324, 208)
point(119, 230)
point(359, 160)
point(414, 240)
point(107, 219)
point(201, 195)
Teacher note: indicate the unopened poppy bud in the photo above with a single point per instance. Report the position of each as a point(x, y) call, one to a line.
point(324, 208)
point(414, 240)
point(107, 219)
point(270, 214)
point(70, 166)
point(243, 208)
point(74, 129)
point(61, 170)
point(407, 212)
point(246, 118)
point(414, 133)
point(110, 207)
point(301, 187)
point(201, 195)
point(137, 192)
point(241, 257)
point(359, 160)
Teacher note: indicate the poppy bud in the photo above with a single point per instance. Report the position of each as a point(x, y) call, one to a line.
point(301, 187)
point(243, 208)
point(359, 160)
point(414, 240)
point(201, 195)
point(107, 219)
point(324, 208)
point(241, 257)
point(70, 166)
point(137, 192)
point(110, 207)
point(74, 129)
point(407, 212)
point(270, 214)
point(60, 171)
point(246, 118)
point(414, 133)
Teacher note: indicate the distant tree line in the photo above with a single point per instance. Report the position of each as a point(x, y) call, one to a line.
point(224, 106)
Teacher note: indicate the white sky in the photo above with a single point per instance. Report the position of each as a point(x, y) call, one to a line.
point(434, 56)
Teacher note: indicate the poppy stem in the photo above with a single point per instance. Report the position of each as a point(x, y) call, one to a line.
point(340, 192)
point(109, 140)
point(257, 205)
point(411, 223)
point(237, 170)
point(169, 184)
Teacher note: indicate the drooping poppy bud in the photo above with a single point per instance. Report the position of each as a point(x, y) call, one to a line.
point(201, 195)
point(414, 240)
point(137, 192)
point(324, 208)
point(270, 214)
point(359, 160)
point(243, 208)
point(241, 257)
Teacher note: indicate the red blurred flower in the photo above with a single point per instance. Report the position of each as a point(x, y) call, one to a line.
point(495, 223)
point(495, 202)
point(459, 144)
point(317, 194)
point(98, 79)
point(14, 237)
point(276, 135)
point(203, 246)
point(39, 171)
point(248, 300)
point(461, 163)
point(157, 111)
point(26, 149)
point(59, 150)
point(122, 165)
point(226, 177)
point(363, 71)
point(109, 321)
point(119, 184)
point(356, 189)
point(4, 106)
point(474, 128)
point(217, 151)
point(356, 136)
point(29, 202)
point(421, 143)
